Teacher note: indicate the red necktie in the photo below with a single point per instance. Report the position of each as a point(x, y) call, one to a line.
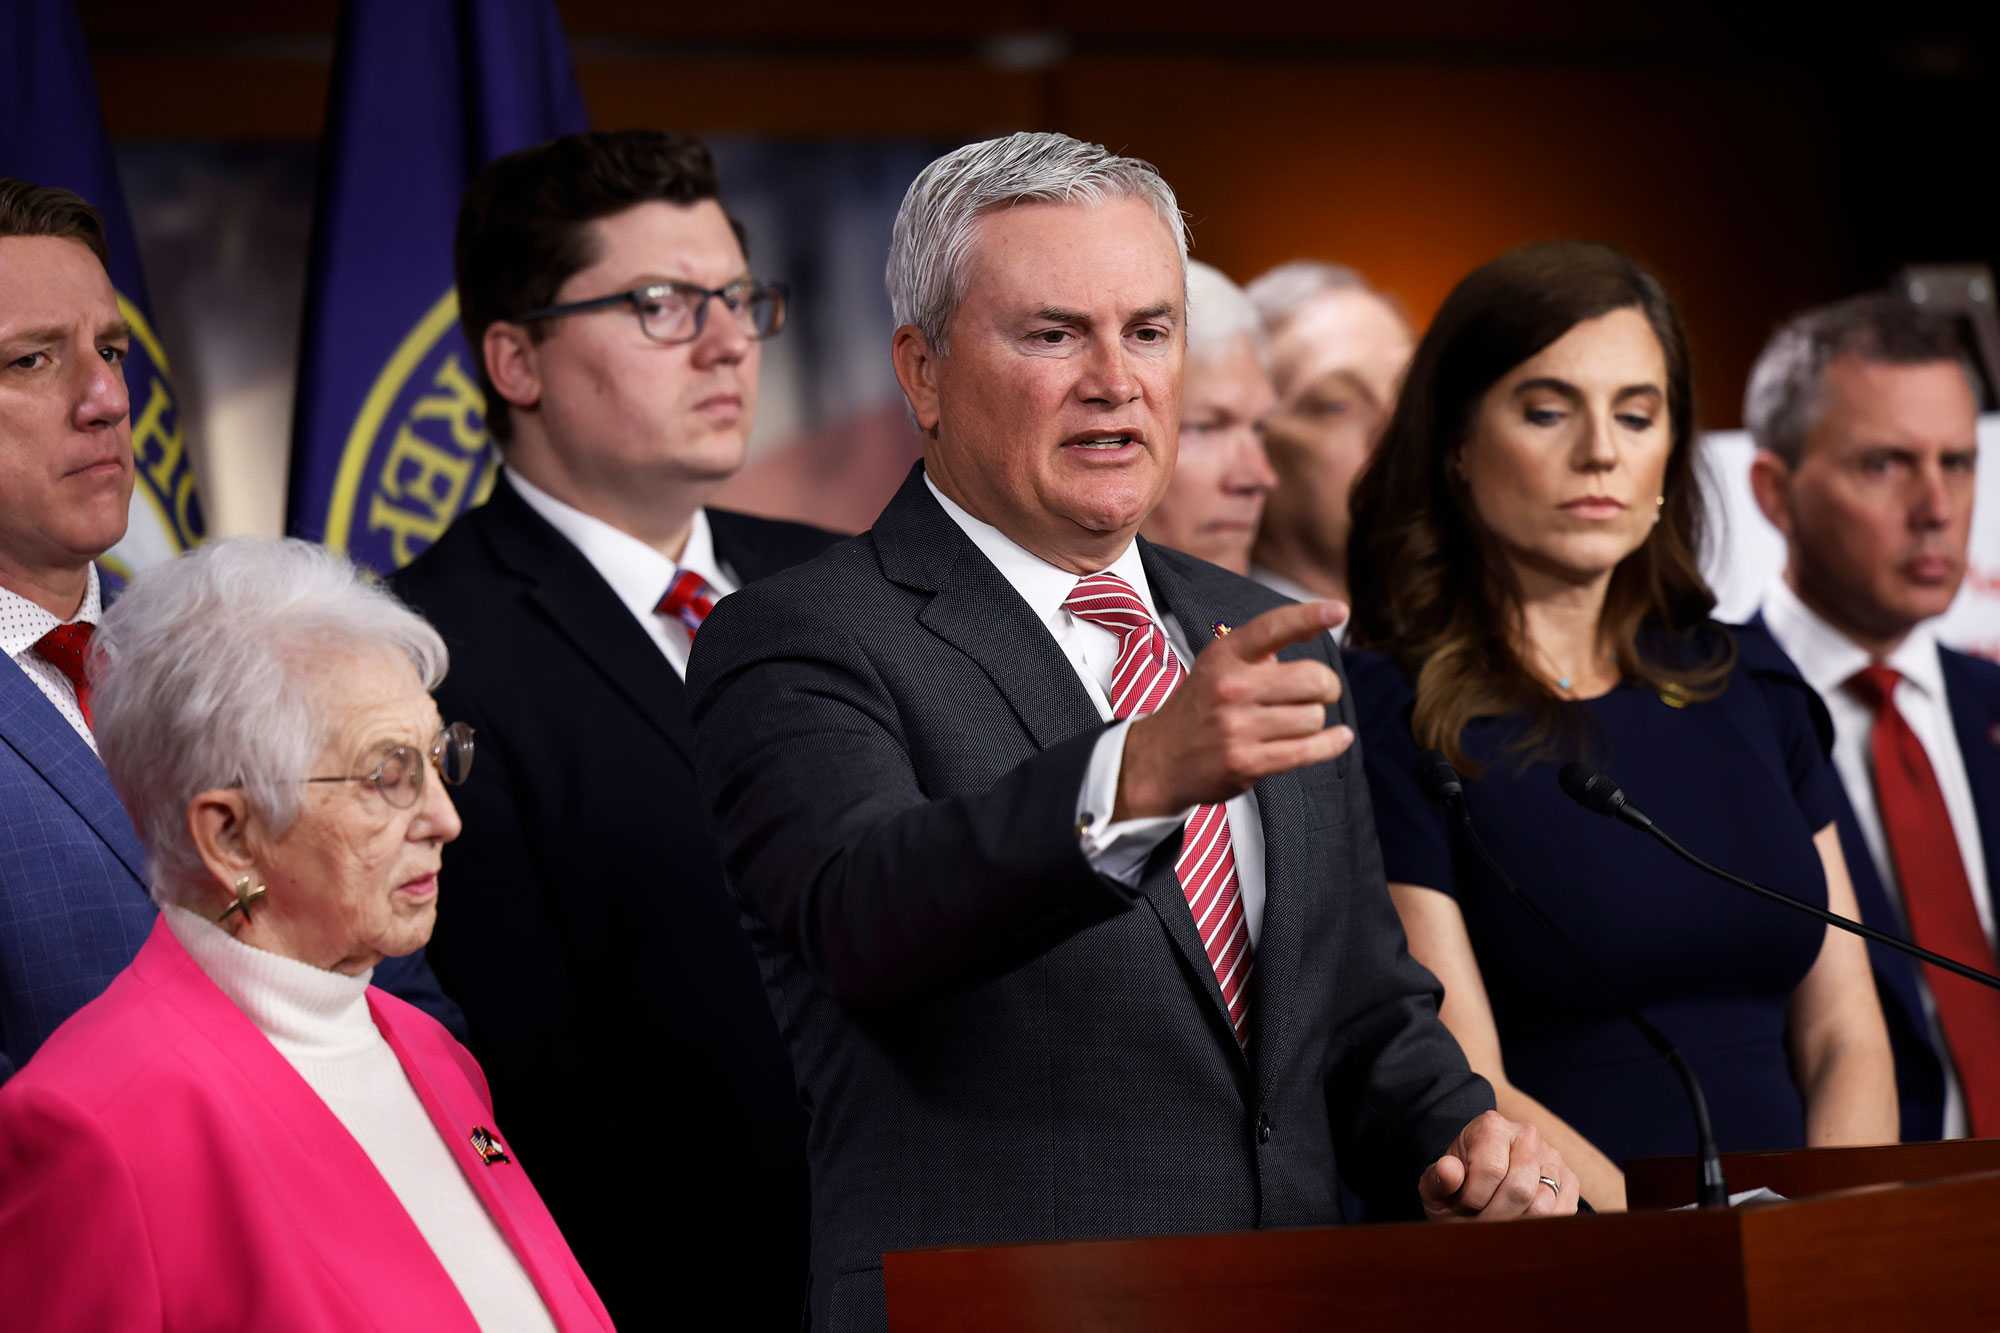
point(1937, 896)
point(67, 648)
point(689, 600)
point(1146, 673)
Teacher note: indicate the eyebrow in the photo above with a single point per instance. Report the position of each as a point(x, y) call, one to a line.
point(1569, 390)
point(1057, 315)
point(53, 333)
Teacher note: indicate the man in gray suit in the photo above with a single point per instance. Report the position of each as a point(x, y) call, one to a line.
point(1064, 890)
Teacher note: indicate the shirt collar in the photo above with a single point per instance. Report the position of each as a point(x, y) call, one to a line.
point(637, 573)
point(1828, 659)
point(1042, 585)
point(25, 622)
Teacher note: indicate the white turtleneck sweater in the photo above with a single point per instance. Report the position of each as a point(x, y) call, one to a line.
point(319, 1021)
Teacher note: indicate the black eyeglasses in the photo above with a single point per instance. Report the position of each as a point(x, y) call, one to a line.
point(676, 312)
point(400, 775)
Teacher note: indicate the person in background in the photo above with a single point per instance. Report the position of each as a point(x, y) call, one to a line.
point(241, 1132)
point(1865, 416)
point(1337, 352)
point(620, 333)
point(1526, 593)
point(1062, 881)
point(73, 904)
point(1216, 496)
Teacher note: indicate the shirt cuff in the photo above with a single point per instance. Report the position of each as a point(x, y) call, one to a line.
point(1117, 850)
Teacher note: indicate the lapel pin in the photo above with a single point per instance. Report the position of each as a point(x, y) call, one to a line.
point(1221, 629)
point(488, 1147)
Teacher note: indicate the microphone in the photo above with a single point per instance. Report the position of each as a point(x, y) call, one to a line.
point(1595, 791)
point(1441, 783)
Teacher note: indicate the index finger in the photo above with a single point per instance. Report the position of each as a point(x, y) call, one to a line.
point(1281, 628)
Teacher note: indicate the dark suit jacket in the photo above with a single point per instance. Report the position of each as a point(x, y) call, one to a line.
point(994, 1042)
point(73, 902)
point(585, 929)
point(1972, 689)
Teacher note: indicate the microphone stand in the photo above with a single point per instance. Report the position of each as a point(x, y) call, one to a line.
point(1441, 783)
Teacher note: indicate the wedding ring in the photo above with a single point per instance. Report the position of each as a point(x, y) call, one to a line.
point(1555, 1185)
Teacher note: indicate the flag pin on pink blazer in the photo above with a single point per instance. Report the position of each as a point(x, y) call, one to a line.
point(487, 1146)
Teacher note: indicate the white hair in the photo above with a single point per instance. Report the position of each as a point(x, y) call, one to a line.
point(196, 683)
point(1280, 293)
point(939, 218)
point(1218, 313)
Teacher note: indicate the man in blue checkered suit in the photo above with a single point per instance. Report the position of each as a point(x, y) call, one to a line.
point(74, 906)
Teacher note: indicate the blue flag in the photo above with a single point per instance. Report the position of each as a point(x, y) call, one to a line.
point(52, 133)
point(389, 439)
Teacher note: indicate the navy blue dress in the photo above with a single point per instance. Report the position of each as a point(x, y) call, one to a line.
point(1742, 780)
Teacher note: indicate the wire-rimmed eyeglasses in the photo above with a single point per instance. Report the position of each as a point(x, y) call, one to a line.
point(676, 312)
point(400, 775)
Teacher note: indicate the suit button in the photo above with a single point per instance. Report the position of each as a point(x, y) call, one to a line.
point(1263, 1128)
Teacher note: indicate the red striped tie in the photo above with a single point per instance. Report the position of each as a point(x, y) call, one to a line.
point(1146, 673)
point(689, 599)
point(1937, 895)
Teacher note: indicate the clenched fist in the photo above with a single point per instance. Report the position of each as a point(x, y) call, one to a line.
point(1239, 716)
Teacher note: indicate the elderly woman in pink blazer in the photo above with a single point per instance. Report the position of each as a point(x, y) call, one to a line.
point(241, 1133)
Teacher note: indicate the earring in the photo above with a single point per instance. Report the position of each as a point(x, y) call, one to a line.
point(1659, 507)
point(245, 895)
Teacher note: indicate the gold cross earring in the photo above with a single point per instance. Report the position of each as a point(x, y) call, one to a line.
point(245, 895)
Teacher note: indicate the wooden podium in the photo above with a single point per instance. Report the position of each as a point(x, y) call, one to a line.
point(1875, 1254)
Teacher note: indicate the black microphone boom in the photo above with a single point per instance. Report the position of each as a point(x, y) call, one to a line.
point(1440, 782)
point(1596, 791)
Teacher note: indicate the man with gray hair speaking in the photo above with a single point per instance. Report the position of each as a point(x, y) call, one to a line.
point(1054, 849)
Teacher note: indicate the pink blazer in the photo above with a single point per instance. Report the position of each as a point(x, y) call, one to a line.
point(163, 1167)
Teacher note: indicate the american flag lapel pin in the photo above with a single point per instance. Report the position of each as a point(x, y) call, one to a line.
point(488, 1147)
point(1221, 629)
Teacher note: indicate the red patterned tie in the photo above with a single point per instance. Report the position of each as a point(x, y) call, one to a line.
point(67, 648)
point(689, 599)
point(1146, 673)
point(1937, 896)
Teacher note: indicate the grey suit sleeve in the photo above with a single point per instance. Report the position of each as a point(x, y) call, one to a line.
point(1399, 1087)
point(831, 841)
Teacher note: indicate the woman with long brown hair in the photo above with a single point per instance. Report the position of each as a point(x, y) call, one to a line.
point(1523, 564)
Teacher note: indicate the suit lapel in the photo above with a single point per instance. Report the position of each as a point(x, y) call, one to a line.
point(975, 610)
point(498, 1184)
point(1976, 719)
point(32, 727)
point(566, 589)
point(1281, 813)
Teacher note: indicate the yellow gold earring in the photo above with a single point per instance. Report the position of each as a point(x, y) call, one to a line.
point(245, 895)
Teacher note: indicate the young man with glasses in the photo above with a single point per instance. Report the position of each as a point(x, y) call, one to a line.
point(612, 996)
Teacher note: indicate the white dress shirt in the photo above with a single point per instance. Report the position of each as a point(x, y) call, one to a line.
point(1118, 850)
point(636, 572)
point(1828, 659)
point(1298, 592)
point(23, 623)
point(319, 1022)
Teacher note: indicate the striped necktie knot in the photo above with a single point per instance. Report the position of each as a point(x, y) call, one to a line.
point(689, 600)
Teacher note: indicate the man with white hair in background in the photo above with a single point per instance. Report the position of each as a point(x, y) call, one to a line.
point(1866, 419)
point(1338, 349)
point(1051, 842)
point(1221, 477)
